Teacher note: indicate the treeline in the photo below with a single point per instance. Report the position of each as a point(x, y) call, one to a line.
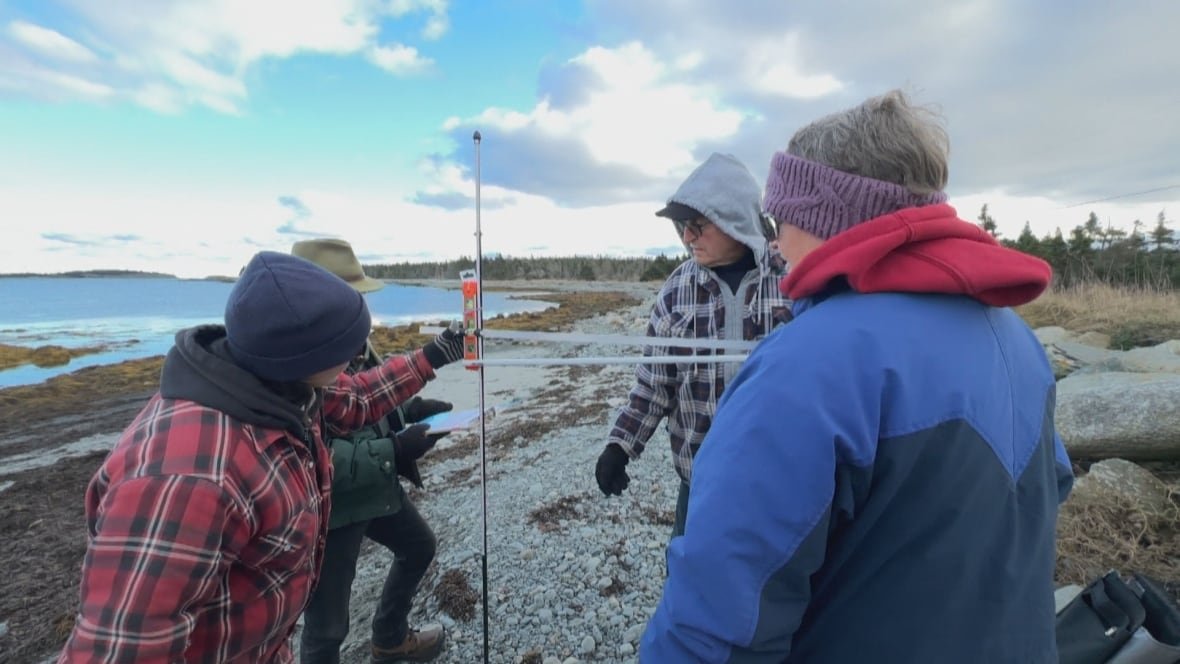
point(584, 268)
point(103, 274)
point(1093, 252)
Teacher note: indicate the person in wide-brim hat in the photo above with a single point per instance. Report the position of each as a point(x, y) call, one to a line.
point(337, 257)
point(368, 502)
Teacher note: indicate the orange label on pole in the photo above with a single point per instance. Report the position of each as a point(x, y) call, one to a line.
point(470, 290)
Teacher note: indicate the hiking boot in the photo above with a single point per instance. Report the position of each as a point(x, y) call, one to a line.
point(420, 645)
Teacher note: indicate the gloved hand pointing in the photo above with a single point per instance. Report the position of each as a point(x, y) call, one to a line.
point(611, 470)
point(445, 348)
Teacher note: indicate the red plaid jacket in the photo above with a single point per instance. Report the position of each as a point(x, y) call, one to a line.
point(206, 533)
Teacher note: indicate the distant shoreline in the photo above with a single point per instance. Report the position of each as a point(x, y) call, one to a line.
point(110, 274)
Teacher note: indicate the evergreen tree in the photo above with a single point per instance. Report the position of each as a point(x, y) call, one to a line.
point(987, 223)
point(1081, 243)
point(1162, 237)
point(1055, 250)
point(1027, 242)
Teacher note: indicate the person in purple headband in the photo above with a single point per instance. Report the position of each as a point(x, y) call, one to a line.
point(882, 479)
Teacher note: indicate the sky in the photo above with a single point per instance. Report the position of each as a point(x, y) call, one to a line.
point(182, 136)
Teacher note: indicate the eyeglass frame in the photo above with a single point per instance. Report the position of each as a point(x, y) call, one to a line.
point(771, 227)
point(696, 226)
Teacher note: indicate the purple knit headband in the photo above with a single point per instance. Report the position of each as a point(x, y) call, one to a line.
point(824, 201)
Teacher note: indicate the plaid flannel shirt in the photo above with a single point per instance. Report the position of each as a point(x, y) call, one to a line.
point(206, 533)
point(694, 304)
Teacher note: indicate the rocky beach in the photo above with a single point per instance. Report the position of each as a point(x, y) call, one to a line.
point(572, 576)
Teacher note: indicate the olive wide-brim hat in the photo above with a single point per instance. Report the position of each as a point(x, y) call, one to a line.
point(336, 256)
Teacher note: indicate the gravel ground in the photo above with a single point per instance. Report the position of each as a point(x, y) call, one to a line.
point(572, 575)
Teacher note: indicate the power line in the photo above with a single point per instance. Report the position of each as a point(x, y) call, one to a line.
point(1111, 198)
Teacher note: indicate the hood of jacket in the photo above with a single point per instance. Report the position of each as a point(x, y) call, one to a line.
point(200, 368)
point(725, 192)
point(924, 249)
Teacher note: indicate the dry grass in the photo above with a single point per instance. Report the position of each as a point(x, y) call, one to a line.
point(573, 307)
point(42, 356)
point(1131, 316)
point(1107, 530)
point(548, 517)
point(455, 595)
point(616, 587)
point(74, 392)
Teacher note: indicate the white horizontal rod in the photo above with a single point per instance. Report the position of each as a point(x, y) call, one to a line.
point(569, 361)
point(607, 339)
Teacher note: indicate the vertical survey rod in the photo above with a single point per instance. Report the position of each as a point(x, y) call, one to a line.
point(483, 449)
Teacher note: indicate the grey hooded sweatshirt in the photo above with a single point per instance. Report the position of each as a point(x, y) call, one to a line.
point(694, 303)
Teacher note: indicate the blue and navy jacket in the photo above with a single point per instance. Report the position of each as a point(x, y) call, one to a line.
point(881, 481)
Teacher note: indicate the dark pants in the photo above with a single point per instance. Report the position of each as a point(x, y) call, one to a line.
point(325, 622)
point(678, 520)
point(681, 510)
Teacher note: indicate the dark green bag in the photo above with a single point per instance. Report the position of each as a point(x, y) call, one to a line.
point(364, 480)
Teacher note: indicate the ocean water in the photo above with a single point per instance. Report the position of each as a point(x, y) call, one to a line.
point(136, 317)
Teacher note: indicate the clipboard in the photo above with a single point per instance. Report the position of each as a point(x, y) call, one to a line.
point(455, 420)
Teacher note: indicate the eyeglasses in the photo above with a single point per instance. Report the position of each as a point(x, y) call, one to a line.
point(694, 226)
point(771, 225)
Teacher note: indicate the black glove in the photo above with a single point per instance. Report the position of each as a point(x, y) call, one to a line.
point(611, 471)
point(418, 409)
point(447, 347)
point(409, 446)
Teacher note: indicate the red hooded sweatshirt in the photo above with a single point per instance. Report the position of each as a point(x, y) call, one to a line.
point(921, 250)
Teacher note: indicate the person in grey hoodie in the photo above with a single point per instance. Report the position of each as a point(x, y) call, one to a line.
point(726, 289)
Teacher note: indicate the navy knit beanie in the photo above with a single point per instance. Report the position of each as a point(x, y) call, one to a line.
point(287, 318)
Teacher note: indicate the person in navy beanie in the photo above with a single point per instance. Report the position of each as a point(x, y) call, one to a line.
point(882, 479)
point(288, 319)
point(207, 521)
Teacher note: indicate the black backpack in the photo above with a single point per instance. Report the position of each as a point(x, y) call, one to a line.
point(1117, 621)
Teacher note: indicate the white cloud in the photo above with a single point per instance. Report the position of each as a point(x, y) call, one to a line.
point(170, 54)
point(615, 124)
point(436, 27)
point(118, 226)
point(641, 116)
point(75, 84)
point(774, 68)
point(399, 59)
point(50, 42)
point(437, 24)
point(159, 97)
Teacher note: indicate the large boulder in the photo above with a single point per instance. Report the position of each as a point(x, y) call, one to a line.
point(1069, 351)
point(1162, 358)
point(1055, 334)
point(1088, 352)
point(1119, 476)
point(1120, 414)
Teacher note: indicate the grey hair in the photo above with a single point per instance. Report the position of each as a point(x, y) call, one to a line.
point(884, 138)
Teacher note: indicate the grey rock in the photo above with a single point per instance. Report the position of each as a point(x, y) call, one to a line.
point(1120, 476)
point(1131, 416)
